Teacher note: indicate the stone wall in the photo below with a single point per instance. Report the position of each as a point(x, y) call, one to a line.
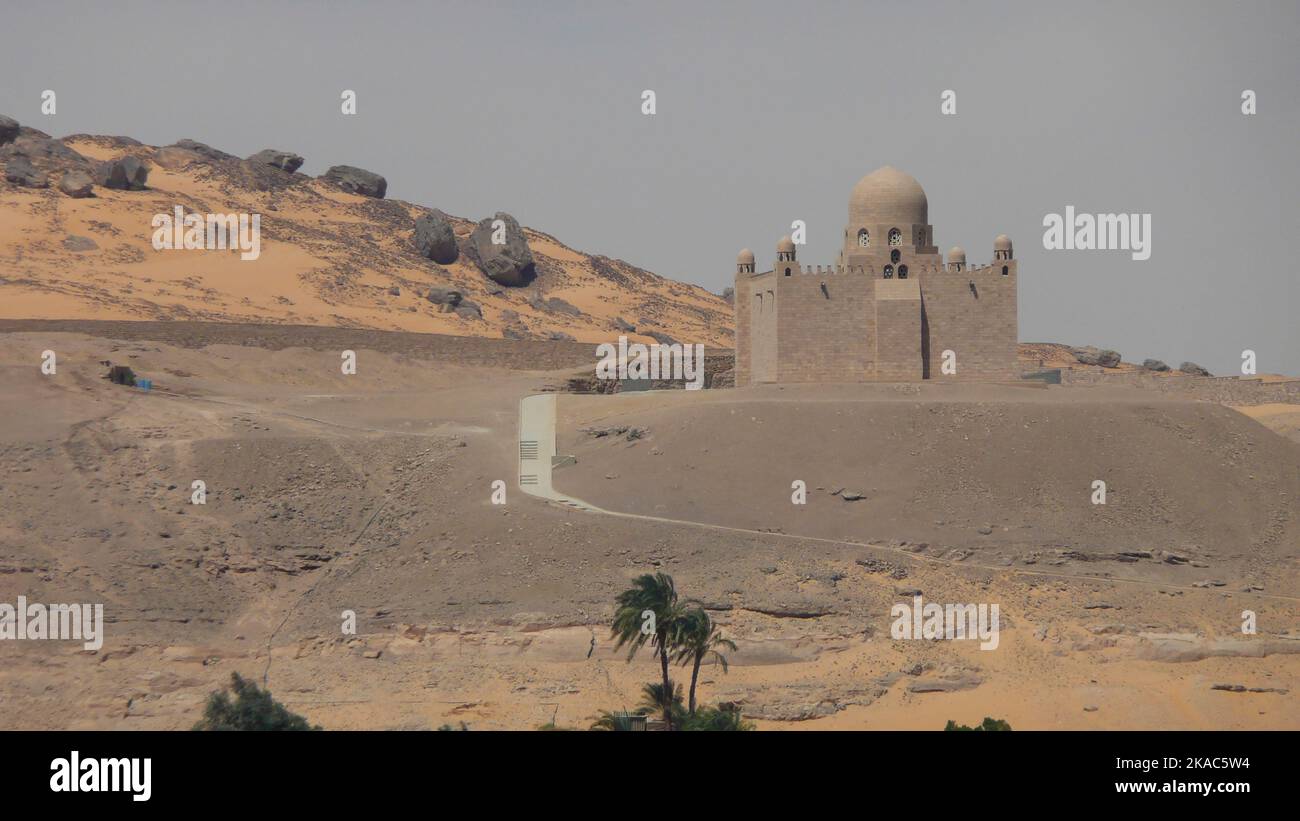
point(979, 325)
point(826, 327)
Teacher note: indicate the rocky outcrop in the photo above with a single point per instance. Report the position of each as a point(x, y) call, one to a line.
point(175, 158)
point(77, 184)
point(468, 309)
point(124, 174)
point(79, 244)
point(1193, 369)
point(554, 305)
point(1154, 365)
point(357, 181)
point(445, 296)
point(45, 152)
point(8, 129)
point(1092, 356)
point(508, 261)
point(453, 301)
point(435, 239)
point(20, 171)
point(204, 150)
point(284, 160)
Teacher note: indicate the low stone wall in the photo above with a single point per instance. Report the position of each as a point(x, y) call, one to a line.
point(1227, 390)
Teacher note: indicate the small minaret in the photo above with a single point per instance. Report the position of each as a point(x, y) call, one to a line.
point(785, 261)
point(1002, 247)
point(957, 258)
point(745, 261)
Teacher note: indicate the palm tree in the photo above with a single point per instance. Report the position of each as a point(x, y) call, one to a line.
point(653, 698)
point(717, 719)
point(698, 638)
point(654, 594)
point(614, 722)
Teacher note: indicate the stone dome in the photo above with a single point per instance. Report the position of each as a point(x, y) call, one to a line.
point(887, 196)
point(786, 244)
point(745, 257)
point(956, 254)
point(1002, 243)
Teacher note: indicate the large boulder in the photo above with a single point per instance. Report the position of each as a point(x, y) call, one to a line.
point(1154, 365)
point(1092, 356)
point(125, 174)
point(8, 129)
point(447, 297)
point(435, 239)
point(283, 160)
point(44, 151)
point(20, 171)
point(175, 158)
point(204, 150)
point(468, 309)
point(357, 181)
point(1193, 369)
point(509, 262)
point(76, 184)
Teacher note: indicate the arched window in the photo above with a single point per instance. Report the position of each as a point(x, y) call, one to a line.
point(889, 272)
point(895, 236)
point(864, 239)
point(902, 272)
point(787, 272)
point(894, 256)
point(1004, 270)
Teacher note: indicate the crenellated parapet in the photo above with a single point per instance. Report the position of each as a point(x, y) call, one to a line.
point(914, 268)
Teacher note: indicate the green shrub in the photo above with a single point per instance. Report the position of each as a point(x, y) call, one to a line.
point(988, 725)
point(252, 709)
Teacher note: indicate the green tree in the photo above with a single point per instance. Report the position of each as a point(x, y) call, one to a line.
point(698, 638)
point(988, 725)
point(717, 719)
point(654, 700)
point(252, 709)
point(656, 595)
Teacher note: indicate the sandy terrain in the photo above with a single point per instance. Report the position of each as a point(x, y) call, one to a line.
point(372, 493)
point(327, 259)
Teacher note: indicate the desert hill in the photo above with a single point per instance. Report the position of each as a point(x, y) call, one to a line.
point(329, 257)
point(372, 493)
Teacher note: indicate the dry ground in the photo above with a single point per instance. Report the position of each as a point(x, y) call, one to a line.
point(372, 493)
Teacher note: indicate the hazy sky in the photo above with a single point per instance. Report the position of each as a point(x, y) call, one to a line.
point(767, 113)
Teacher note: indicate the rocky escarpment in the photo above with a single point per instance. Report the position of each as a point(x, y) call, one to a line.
point(335, 251)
